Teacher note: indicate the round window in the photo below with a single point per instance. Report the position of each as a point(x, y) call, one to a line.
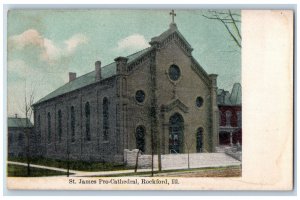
point(140, 96)
point(199, 102)
point(174, 72)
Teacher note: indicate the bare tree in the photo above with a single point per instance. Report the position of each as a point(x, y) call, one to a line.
point(230, 21)
point(188, 143)
point(28, 112)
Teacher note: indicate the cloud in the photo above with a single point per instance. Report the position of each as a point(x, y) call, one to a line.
point(132, 43)
point(29, 37)
point(74, 41)
point(49, 50)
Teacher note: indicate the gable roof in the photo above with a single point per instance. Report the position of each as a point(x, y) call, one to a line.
point(236, 94)
point(172, 29)
point(13, 122)
point(89, 78)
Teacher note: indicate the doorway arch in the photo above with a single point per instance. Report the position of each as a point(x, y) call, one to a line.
point(176, 127)
point(199, 140)
point(140, 138)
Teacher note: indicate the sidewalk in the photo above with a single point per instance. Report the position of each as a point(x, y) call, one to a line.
point(43, 167)
point(76, 173)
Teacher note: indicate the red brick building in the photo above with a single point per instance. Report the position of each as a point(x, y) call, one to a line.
point(230, 124)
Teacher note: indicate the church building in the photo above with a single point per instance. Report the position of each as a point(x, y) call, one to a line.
point(159, 99)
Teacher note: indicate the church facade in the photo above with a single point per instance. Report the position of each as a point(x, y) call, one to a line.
point(159, 99)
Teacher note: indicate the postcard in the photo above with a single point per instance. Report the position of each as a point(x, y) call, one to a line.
point(149, 99)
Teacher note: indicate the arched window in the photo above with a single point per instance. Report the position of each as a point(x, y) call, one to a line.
point(49, 127)
point(239, 119)
point(105, 119)
point(21, 139)
point(228, 118)
point(10, 138)
point(140, 138)
point(59, 128)
point(199, 139)
point(38, 128)
point(72, 124)
point(87, 121)
point(176, 126)
point(174, 72)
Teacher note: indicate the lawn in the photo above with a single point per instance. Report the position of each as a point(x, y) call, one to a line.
point(229, 171)
point(21, 171)
point(74, 165)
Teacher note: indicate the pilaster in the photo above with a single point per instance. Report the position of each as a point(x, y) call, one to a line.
point(121, 105)
point(214, 113)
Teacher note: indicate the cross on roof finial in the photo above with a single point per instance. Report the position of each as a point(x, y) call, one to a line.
point(173, 15)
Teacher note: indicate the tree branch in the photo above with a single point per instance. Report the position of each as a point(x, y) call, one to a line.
point(235, 26)
point(214, 11)
point(231, 34)
point(225, 19)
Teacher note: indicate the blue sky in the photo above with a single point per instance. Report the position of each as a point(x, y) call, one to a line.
point(44, 45)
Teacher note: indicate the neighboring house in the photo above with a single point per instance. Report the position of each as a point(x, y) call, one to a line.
point(18, 128)
point(159, 94)
point(230, 129)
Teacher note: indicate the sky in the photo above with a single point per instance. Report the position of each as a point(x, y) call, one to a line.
point(43, 46)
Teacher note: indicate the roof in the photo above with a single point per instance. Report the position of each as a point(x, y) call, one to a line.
point(236, 94)
point(89, 78)
point(110, 69)
point(13, 122)
point(164, 35)
point(233, 98)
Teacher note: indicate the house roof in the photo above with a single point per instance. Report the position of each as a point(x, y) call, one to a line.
point(89, 78)
point(233, 98)
point(13, 122)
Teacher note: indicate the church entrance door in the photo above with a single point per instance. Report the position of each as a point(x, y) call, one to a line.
point(140, 138)
point(176, 126)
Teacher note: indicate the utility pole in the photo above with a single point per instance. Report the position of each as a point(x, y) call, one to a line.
point(68, 151)
point(152, 153)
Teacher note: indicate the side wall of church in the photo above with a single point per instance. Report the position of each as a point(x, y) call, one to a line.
point(187, 88)
point(84, 145)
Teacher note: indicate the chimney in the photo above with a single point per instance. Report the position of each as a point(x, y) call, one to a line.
point(72, 76)
point(98, 70)
point(121, 64)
